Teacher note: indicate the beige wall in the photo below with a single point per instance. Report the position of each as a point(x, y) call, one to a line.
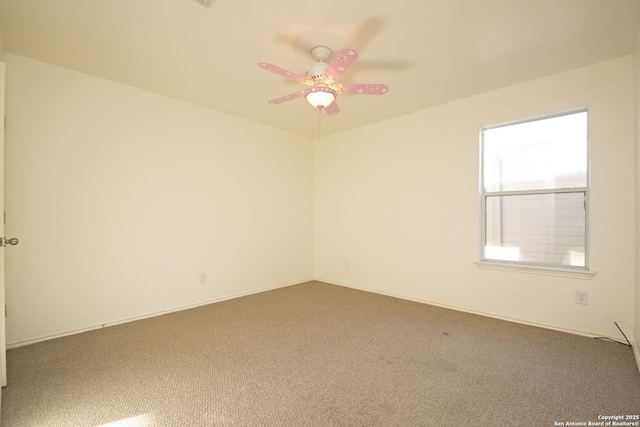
point(121, 198)
point(397, 205)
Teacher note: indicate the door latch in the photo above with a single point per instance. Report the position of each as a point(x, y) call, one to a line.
point(12, 241)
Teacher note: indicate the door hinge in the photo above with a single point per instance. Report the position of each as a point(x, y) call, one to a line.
point(5, 311)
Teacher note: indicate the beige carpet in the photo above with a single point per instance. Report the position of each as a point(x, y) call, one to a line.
point(319, 355)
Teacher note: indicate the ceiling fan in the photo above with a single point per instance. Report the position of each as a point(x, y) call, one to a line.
point(321, 78)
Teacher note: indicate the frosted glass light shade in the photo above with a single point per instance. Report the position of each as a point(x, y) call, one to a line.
point(320, 96)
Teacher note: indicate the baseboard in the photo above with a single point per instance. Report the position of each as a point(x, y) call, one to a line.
point(466, 310)
point(16, 344)
point(23, 343)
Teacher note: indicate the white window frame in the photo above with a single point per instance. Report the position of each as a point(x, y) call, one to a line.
point(583, 272)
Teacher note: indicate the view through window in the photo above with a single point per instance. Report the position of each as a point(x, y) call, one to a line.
point(534, 191)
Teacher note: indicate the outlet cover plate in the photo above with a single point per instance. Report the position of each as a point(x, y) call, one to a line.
point(582, 297)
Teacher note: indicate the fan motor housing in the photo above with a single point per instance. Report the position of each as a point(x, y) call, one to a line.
point(315, 73)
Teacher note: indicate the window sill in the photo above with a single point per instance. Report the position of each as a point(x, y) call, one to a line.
point(547, 271)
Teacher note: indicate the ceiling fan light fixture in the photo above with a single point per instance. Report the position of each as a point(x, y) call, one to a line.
point(322, 78)
point(320, 96)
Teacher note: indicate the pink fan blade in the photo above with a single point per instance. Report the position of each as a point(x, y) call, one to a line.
point(343, 60)
point(285, 73)
point(286, 98)
point(365, 88)
point(332, 109)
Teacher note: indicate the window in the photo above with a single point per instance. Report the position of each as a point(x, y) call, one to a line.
point(534, 189)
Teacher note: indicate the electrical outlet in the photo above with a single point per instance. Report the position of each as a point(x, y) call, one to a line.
point(203, 277)
point(582, 297)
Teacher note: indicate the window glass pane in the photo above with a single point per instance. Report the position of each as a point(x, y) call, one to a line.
point(536, 229)
point(542, 154)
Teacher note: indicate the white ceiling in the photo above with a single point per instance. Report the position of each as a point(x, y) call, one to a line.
point(429, 52)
